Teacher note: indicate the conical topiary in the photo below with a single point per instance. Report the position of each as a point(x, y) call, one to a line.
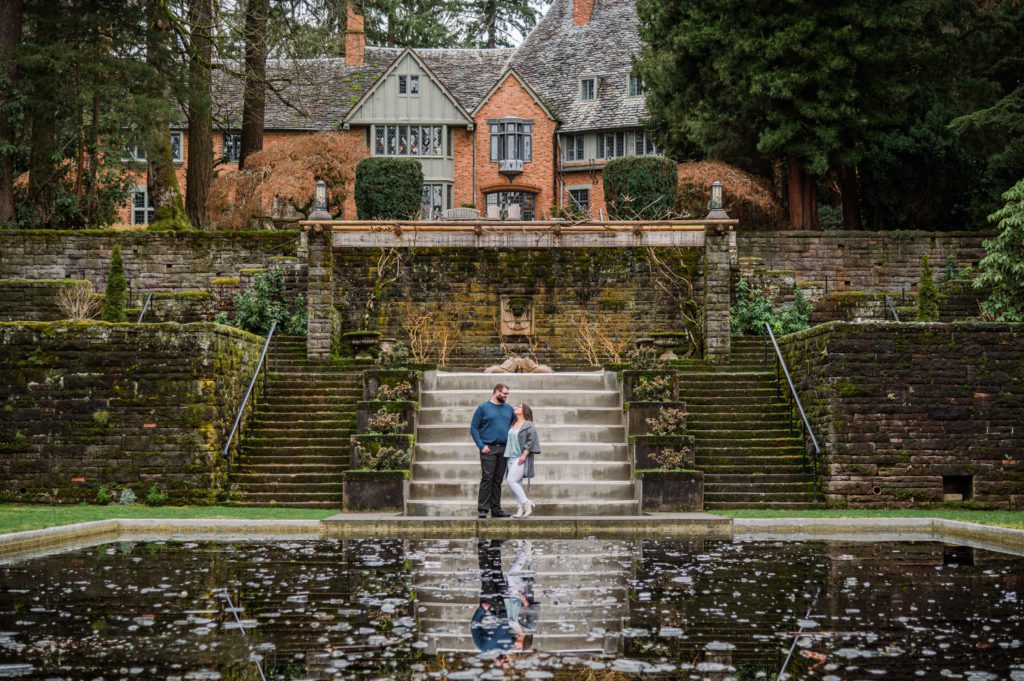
point(113, 304)
point(927, 294)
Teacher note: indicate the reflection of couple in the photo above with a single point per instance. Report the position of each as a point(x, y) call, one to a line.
point(506, 618)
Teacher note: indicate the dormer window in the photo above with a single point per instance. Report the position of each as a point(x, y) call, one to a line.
point(636, 86)
point(588, 89)
point(409, 86)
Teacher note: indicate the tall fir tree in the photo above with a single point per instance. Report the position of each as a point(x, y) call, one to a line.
point(499, 23)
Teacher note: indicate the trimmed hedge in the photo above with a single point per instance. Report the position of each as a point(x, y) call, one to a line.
point(114, 297)
point(640, 187)
point(388, 188)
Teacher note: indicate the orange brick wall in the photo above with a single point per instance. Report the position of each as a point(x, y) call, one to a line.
point(513, 101)
point(270, 139)
point(580, 179)
point(462, 141)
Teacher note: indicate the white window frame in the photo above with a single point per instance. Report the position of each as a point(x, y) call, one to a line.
point(634, 86)
point(583, 89)
point(146, 210)
point(231, 158)
point(414, 86)
point(435, 135)
point(138, 152)
point(403, 86)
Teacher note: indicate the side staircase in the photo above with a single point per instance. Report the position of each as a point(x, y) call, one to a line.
point(746, 444)
point(581, 589)
point(297, 445)
point(584, 467)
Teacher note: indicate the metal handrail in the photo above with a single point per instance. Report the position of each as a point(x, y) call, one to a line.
point(248, 393)
point(145, 307)
point(892, 308)
point(799, 406)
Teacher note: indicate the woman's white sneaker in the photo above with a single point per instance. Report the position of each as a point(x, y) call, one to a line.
point(520, 513)
point(528, 506)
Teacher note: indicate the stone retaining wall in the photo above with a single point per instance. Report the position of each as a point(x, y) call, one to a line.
point(899, 406)
point(33, 300)
point(86, 404)
point(861, 261)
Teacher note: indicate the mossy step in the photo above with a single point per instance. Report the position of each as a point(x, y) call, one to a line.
point(766, 487)
point(780, 505)
point(307, 406)
point(748, 497)
point(752, 460)
point(329, 500)
point(329, 504)
point(317, 467)
point(739, 438)
point(292, 487)
point(703, 424)
point(753, 471)
point(731, 450)
point(291, 440)
point(695, 418)
point(302, 457)
point(701, 409)
point(297, 390)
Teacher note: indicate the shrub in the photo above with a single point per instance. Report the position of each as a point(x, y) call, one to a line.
point(127, 497)
point(113, 304)
point(388, 188)
point(77, 301)
point(927, 294)
point(753, 308)
point(653, 389)
point(255, 311)
point(640, 187)
point(748, 198)
point(399, 391)
point(668, 423)
point(383, 458)
point(155, 497)
point(643, 358)
point(104, 495)
point(384, 422)
point(1001, 271)
point(286, 173)
point(394, 355)
point(101, 417)
point(297, 323)
point(669, 458)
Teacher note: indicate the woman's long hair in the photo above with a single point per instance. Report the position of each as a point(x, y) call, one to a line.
point(527, 412)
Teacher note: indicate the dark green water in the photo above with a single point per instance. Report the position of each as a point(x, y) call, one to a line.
point(555, 609)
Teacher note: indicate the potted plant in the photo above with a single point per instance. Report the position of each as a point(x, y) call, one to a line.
point(669, 486)
point(666, 431)
point(377, 480)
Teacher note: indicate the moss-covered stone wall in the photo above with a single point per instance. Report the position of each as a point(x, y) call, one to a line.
point(85, 404)
point(621, 290)
point(899, 407)
point(34, 300)
point(860, 261)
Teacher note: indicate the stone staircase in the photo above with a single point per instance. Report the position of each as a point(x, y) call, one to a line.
point(584, 467)
point(297, 445)
point(741, 423)
point(580, 586)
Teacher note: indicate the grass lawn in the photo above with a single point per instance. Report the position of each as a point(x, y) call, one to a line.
point(19, 517)
point(1013, 519)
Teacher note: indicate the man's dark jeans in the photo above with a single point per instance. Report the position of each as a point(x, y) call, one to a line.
point(492, 472)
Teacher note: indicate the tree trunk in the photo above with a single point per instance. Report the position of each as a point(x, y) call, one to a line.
point(254, 100)
point(491, 21)
point(41, 165)
point(199, 173)
point(10, 37)
point(162, 180)
point(802, 196)
point(851, 203)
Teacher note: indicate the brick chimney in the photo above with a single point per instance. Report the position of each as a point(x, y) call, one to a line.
point(355, 38)
point(582, 11)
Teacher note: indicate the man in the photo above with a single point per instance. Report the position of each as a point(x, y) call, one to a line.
point(489, 429)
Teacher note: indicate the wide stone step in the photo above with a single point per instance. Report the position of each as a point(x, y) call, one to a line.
point(549, 433)
point(708, 420)
point(548, 398)
point(542, 415)
point(766, 478)
point(325, 466)
point(712, 410)
point(252, 480)
point(742, 438)
point(747, 460)
point(483, 383)
point(781, 505)
point(301, 457)
point(289, 487)
point(326, 501)
point(717, 487)
point(714, 497)
point(572, 451)
point(549, 469)
point(770, 426)
point(293, 440)
point(540, 490)
point(753, 471)
point(545, 508)
point(302, 423)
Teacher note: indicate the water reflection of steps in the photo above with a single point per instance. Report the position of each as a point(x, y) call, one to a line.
point(581, 587)
point(584, 468)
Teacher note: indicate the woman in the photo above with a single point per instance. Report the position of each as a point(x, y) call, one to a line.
point(523, 443)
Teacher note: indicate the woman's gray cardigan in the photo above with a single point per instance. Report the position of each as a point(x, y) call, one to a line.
point(528, 439)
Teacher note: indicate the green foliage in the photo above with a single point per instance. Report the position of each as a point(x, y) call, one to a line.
point(669, 422)
point(392, 393)
point(101, 417)
point(949, 272)
point(640, 187)
point(388, 188)
point(104, 495)
point(255, 311)
point(1001, 271)
point(669, 458)
point(155, 496)
point(113, 303)
point(754, 308)
point(393, 356)
point(656, 388)
point(383, 458)
point(495, 23)
point(127, 497)
point(927, 294)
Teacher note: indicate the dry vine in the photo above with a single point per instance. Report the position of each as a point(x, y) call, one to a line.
point(677, 283)
point(78, 302)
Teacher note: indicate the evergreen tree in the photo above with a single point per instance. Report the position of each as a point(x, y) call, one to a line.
point(11, 13)
point(1002, 269)
point(499, 23)
point(113, 297)
point(412, 23)
point(199, 174)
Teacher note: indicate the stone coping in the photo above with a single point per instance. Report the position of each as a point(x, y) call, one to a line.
point(19, 545)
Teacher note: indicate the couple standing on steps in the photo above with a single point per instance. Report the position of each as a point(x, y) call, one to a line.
point(507, 441)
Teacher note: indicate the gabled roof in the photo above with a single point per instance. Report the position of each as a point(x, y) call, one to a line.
point(557, 54)
point(511, 73)
point(423, 65)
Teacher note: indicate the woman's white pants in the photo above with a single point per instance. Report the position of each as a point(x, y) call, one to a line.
point(514, 477)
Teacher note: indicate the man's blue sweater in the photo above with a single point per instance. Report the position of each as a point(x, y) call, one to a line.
point(491, 423)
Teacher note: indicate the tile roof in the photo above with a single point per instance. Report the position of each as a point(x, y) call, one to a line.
point(556, 54)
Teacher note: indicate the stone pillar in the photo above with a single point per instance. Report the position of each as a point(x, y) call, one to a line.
point(320, 292)
point(717, 292)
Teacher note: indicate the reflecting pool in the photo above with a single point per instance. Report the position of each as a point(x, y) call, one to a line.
point(594, 610)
